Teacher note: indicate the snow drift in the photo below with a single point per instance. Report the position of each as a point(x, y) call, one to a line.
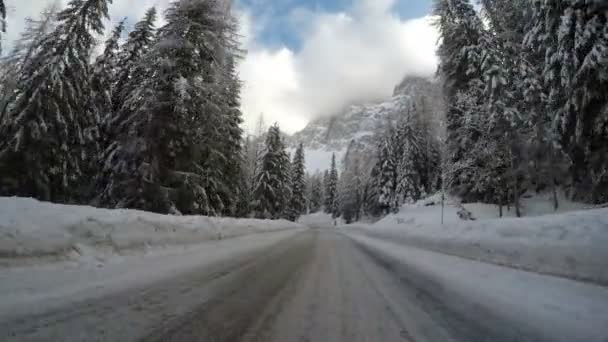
point(572, 244)
point(29, 228)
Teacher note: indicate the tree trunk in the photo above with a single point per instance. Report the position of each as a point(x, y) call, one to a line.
point(516, 198)
point(500, 196)
point(554, 190)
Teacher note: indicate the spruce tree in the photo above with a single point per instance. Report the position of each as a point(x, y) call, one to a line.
point(127, 77)
point(576, 74)
point(461, 57)
point(131, 52)
point(541, 140)
point(231, 134)
point(331, 189)
point(22, 52)
point(170, 155)
point(350, 187)
point(410, 161)
point(272, 189)
point(48, 129)
point(386, 176)
point(316, 193)
point(104, 74)
point(297, 203)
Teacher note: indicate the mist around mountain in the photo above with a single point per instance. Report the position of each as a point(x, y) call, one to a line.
point(362, 124)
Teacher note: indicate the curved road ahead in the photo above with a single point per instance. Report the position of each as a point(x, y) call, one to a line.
point(317, 285)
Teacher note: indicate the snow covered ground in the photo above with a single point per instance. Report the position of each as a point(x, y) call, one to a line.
point(31, 230)
point(52, 255)
point(568, 244)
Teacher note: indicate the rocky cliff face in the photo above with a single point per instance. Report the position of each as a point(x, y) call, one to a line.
point(359, 123)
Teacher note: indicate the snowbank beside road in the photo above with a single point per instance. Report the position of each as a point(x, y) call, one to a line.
point(29, 228)
point(510, 302)
point(572, 244)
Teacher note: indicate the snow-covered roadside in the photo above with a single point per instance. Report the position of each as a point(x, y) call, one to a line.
point(571, 244)
point(554, 308)
point(30, 229)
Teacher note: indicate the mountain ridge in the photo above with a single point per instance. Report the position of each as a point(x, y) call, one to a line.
point(361, 123)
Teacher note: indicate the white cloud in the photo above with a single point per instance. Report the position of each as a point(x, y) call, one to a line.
point(354, 56)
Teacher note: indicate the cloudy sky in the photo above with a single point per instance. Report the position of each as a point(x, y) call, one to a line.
point(308, 58)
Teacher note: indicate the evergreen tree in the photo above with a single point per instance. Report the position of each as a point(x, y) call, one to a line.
point(410, 163)
point(175, 128)
point(231, 149)
point(126, 78)
point(541, 140)
point(131, 52)
point(350, 187)
point(316, 193)
point(22, 52)
point(272, 189)
point(103, 75)
point(576, 64)
point(297, 203)
point(386, 176)
point(48, 128)
point(470, 67)
point(331, 189)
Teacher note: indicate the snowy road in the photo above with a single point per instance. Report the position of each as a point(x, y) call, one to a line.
point(321, 285)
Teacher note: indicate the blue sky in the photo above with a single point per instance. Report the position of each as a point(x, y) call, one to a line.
point(279, 30)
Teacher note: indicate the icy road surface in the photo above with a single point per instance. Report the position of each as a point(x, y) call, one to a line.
point(316, 285)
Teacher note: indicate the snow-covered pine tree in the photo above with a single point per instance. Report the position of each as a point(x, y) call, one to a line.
point(297, 203)
point(137, 45)
point(540, 140)
point(504, 122)
point(23, 50)
point(272, 189)
point(460, 52)
point(350, 190)
point(170, 155)
point(103, 76)
point(331, 189)
point(386, 181)
point(127, 77)
point(316, 193)
point(410, 158)
point(576, 64)
point(48, 127)
point(231, 132)
point(371, 193)
point(325, 186)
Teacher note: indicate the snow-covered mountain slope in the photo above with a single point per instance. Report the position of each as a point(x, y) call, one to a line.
point(327, 135)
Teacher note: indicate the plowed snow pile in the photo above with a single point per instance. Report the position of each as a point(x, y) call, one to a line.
point(572, 244)
point(29, 228)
